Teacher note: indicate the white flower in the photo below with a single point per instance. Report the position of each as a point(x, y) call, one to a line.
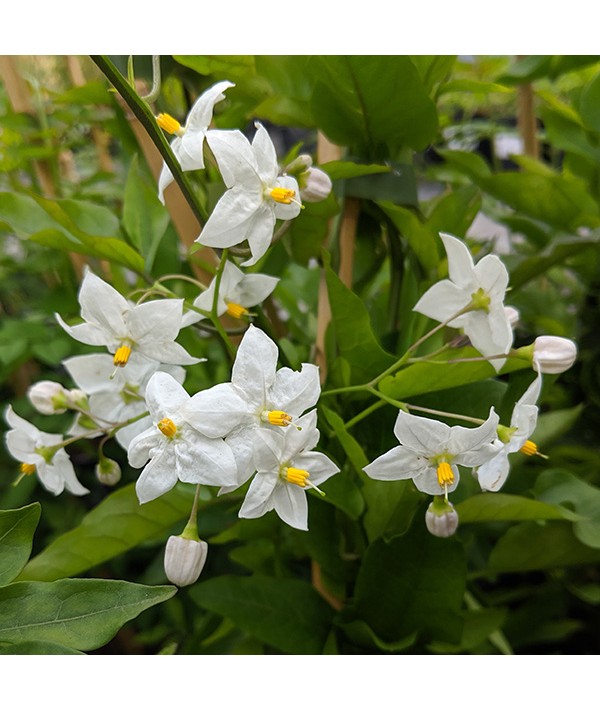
point(184, 559)
point(119, 398)
point(175, 449)
point(492, 474)
point(430, 450)
point(48, 397)
point(258, 397)
point(149, 329)
point(35, 450)
point(257, 198)
point(553, 354)
point(285, 469)
point(482, 286)
point(237, 292)
point(188, 145)
point(315, 185)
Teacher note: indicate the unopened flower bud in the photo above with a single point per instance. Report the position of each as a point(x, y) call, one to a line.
point(77, 398)
point(441, 518)
point(184, 559)
point(512, 315)
point(48, 397)
point(553, 354)
point(298, 165)
point(108, 471)
point(315, 185)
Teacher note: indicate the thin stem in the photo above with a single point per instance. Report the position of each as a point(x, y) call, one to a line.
point(442, 413)
point(191, 528)
point(213, 314)
point(182, 277)
point(155, 90)
point(365, 413)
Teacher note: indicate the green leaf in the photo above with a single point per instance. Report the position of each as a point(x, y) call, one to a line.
point(37, 648)
point(354, 336)
point(391, 506)
point(144, 218)
point(588, 104)
point(418, 235)
point(81, 614)
point(351, 447)
point(473, 86)
point(308, 231)
point(433, 376)
point(17, 527)
point(413, 583)
point(79, 216)
point(360, 633)
point(360, 87)
point(505, 507)
point(23, 214)
point(342, 169)
point(116, 525)
point(399, 186)
point(231, 66)
point(291, 84)
point(530, 546)
point(287, 614)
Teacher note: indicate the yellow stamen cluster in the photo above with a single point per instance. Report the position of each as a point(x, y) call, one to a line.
point(445, 475)
point(283, 195)
point(529, 448)
point(122, 356)
point(26, 469)
point(276, 417)
point(168, 123)
point(167, 427)
point(296, 476)
point(236, 310)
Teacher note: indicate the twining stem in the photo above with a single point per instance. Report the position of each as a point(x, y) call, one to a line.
point(442, 413)
point(213, 314)
point(182, 277)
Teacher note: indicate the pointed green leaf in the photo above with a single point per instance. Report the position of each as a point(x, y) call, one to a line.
point(287, 614)
point(81, 614)
point(505, 507)
point(17, 527)
point(37, 648)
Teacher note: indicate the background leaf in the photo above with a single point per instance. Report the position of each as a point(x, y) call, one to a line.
point(17, 527)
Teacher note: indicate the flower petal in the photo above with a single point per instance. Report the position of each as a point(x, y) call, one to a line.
point(423, 435)
point(201, 113)
point(158, 320)
point(138, 452)
point(292, 210)
point(92, 372)
point(252, 289)
point(301, 436)
point(460, 261)
point(293, 391)
point(102, 305)
point(492, 277)
point(469, 439)
point(399, 463)
point(159, 475)
point(200, 460)
point(442, 301)
point(232, 219)
point(61, 464)
point(255, 365)
point(318, 465)
point(258, 500)
point(164, 396)
point(289, 501)
point(492, 475)
point(427, 482)
point(266, 157)
point(89, 333)
point(235, 158)
point(260, 233)
point(217, 411)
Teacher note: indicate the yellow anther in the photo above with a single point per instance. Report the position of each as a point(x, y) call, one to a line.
point(529, 448)
point(276, 417)
point(283, 195)
point(445, 475)
point(122, 356)
point(167, 427)
point(168, 123)
point(26, 469)
point(296, 476)
point(236, 310)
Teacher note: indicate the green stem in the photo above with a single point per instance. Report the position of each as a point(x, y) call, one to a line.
point(442, 413)
point(191, 528)
point(146, 118)
point(213, 314)
point(365, 413)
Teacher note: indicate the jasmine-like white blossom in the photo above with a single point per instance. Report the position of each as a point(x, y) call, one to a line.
point(480, 288)
point(48, 397)
point(430, 451)
point(285, 468)
point(184, 559)
point(258, 195)
point(258, 397)
point(188, 144)
point(237, 292)
point(492, 474)
point(176, 449)
point(115, 397)
point(553, 354)
point(37, 451)
point(110, 320)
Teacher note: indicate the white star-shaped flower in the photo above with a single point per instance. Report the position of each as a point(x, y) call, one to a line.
point(115, 399)
point(237, 292)
point(430, 451)
point(259, 396)
point(188, 144)
point(149, 329)
point(258, 196)
point(176, 449)
point(35, 450)
point(285, 468)
point(492, 474)
point(483, 285)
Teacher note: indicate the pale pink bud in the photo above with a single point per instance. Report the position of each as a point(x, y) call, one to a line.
point(48, 397)
point(108, 472)
point(184, 560)
point(553, 354)
point(441, 519)
point(512, 315)
point(315, 185)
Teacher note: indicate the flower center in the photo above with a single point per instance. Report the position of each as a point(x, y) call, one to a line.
point(296, 476)
point(169, 124)
point(445, 475)
point(283, 195)
point(122, 356)
point(26, 469)
point(167, 427)
point(480, 301)
point(529, 448)
point(276, 417)
point(236, 310)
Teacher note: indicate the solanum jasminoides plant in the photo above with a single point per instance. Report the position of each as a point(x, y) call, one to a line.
point(318, 399)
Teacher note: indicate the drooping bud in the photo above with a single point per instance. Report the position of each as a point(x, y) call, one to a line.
point(184, 559)
point(299, 165)
point(512, 315)
point(553, 354)
point(77, 398)
point(441, 518)
point(315, 185)
point(48, 397)
point(108, 472)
